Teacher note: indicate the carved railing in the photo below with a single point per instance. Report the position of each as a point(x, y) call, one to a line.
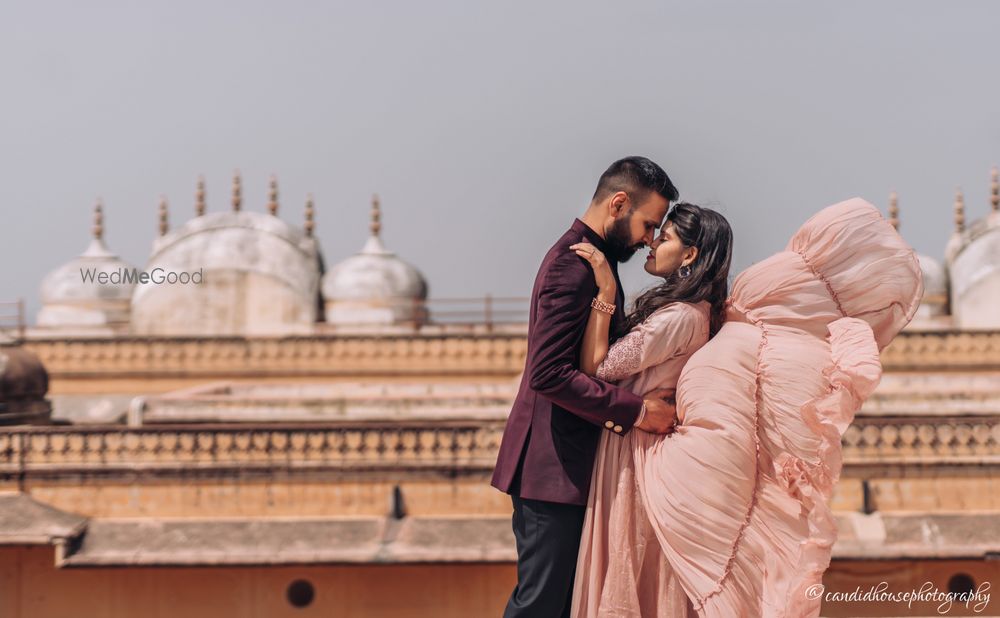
point(401, 354)
point(12, 322)
point(450, 446)
point(909, 440)
point(943, 350)
point(444, 446)
point(163, 357)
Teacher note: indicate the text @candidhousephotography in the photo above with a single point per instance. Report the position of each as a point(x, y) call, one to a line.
point(976, 599)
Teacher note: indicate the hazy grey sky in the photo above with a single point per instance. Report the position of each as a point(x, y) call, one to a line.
point(484, 125)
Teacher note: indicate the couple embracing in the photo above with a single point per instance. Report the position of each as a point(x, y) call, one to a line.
point(677, 459)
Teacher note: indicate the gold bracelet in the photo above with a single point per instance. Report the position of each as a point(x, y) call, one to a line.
point(600, 305)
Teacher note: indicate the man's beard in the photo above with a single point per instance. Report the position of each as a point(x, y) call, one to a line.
point(618, 241)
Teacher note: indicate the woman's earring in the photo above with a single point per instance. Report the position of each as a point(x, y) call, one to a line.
point(684, 271)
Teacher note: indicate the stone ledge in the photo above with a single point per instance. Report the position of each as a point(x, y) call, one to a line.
point(214, 542)
point(25, 521)
point(376, 540)
point(186, 542)
point(917, 536)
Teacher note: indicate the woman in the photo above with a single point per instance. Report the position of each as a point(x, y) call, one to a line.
point(670, 322)
point(738, 496)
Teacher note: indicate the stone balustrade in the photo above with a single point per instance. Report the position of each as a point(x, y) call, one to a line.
point(451, 446)
point(352, 355)
point(448, 447)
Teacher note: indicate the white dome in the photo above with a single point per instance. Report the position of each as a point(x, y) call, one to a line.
point(935, 276)
point(375, 273)
point(374, 286)
point(94, 289)
point(974, 274)
point(258, 274)
point(935, 299)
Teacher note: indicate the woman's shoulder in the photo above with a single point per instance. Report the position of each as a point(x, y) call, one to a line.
point(693, 314)
point(679, 319)
point(676, 327)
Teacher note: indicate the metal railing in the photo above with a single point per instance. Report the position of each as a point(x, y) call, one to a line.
point(12, 322)
point(488, 310)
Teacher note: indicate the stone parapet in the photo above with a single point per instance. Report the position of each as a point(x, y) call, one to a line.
point(430, 353)
point(946, 350)
point(202, 359)
point(447, 446)
point(193, 450)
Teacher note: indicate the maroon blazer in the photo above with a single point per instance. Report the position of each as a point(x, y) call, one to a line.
point(550, 441)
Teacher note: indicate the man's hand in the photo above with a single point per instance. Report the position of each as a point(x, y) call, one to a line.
point(661, 412)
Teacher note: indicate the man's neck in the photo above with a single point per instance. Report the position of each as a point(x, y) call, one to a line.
point(593, 220)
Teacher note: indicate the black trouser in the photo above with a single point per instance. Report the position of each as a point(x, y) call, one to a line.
point(548, 540)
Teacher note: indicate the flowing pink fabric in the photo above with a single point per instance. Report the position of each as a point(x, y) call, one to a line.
point(738, 497)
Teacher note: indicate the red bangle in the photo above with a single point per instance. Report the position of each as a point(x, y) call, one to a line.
point(600, 305)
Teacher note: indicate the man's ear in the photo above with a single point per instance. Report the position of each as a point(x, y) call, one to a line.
point(618, 204)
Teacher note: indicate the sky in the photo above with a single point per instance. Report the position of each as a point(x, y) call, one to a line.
point(483, 126)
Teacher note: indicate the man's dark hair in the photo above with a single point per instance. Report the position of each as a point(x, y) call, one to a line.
point(637, 177)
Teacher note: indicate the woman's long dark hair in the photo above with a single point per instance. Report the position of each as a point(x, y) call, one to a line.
point(709, 280)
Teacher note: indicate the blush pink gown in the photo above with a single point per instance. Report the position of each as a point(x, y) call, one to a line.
point(621, 570)
point(731, 513)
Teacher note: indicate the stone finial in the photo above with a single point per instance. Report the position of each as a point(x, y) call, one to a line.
point(376, 225)
point(272, 196)
point(199, 197)
point(237, 192)
point(894, 210)
point(995, 189)
point(164, 225)
point(310, 214)
point(959, 211)
point(98, 229)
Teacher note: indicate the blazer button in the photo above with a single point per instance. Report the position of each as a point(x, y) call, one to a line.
point(609, 424)
point(618, 428)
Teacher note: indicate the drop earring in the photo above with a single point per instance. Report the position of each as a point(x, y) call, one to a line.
point(684, 271)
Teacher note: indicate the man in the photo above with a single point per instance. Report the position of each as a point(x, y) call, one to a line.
point(550, 442)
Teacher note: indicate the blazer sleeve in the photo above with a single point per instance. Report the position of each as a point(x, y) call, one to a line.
point(563, 308)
